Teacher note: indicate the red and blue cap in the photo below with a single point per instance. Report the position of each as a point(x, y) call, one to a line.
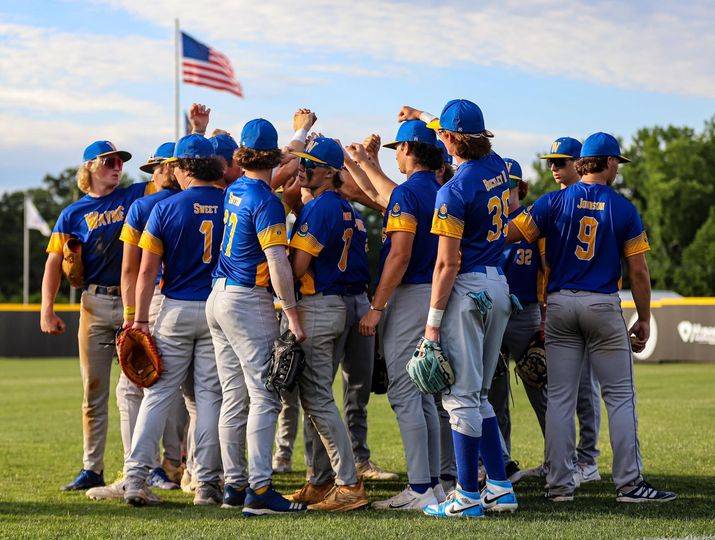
point(192, 146)
point(413, 131)
point(161, 154)
point(602, 145)
point(104, 148)
point(224, 145)
point(461, 116)
point(259, 134)
point(564, 147)
point(324, 151)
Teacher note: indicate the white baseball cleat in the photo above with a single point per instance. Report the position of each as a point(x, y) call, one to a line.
point(499, 496)
point(439, 493)
point(407, 500)
point(585, 472)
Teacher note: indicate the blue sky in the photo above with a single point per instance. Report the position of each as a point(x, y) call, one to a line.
point(73, 71)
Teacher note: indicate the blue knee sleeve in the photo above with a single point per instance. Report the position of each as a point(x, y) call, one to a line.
point(466, 450)
point(492, 455)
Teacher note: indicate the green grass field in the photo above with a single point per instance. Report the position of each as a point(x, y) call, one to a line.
point(40, 449)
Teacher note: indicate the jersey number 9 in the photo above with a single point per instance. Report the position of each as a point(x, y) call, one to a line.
point(587, 235)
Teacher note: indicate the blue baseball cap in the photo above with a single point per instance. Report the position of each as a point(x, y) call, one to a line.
point(564, 147)
point(192, 147)
point(413, 131)
point(224, 145)
point(104, 148)
point(461, 116)
point(324, 151)
point(602, 145)
point(259, 134)
point(161, 154)
point(513, 168)
point(445, 155)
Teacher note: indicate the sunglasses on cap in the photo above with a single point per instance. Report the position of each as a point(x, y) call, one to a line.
point(112, 162)
point(557, 163)
point(308, 164)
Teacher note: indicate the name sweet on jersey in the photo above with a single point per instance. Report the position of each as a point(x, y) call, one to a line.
point(591, 205)
point(95, 220)
point(205, 208)
point(497, 181)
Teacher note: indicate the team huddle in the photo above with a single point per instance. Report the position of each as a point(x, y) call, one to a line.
point(214, 266)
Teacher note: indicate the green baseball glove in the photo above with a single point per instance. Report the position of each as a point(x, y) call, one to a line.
point(429, 369)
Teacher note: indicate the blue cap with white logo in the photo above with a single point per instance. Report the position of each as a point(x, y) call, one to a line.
point(224, 145)
point(413, 131)
point(104, 148)
point(259, 134)
point(324, 151)
point(602, 145)
point(161, 154)
point(461, 116)
point(192, 147)
point(564, 147)
point(445, 155)
point(513, 168)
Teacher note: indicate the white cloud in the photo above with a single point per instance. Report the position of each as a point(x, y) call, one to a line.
point(661, 47)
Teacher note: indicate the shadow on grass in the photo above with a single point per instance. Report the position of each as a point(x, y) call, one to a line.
point(595, 500)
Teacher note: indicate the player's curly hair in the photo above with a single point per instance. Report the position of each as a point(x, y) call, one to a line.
point(469, 147)
point(84, 174)
point(205, 169)
point(337, 180)
point(256, 160)
point(171, 182)
point(591, 165)
point(448, 173)
point(426, 155)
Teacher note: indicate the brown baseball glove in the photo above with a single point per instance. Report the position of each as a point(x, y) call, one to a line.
point(138, 357)
point(72, 262)
point(531, 367)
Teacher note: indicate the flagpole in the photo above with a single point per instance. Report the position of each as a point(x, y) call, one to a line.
point(25, 256)
point(177, 63)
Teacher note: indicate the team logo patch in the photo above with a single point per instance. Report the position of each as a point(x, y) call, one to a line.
point(442, 214)
point(555, 147)
point(395, 212)
point(508, 166)
point(303, 230)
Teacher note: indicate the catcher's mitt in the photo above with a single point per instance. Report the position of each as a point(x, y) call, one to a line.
point(531, 367)
point(379, 372)
point(72, 262)
point(138, 357)
point(429, 369)
point(287, 363)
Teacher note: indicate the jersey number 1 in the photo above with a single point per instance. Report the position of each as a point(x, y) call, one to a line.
point(206, 229)
point(347, 238)
point(587, 235)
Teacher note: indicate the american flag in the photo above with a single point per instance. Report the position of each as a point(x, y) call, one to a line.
point(204, 66)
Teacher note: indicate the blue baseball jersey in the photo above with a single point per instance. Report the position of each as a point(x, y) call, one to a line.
point(473, 207)
point(522, 262)
point(254, 221)
point(588, 228)
point(324, 229)
point(186, 231)
point(138, 215)
point(357, 273)
point(410, 210)
point(97, 223)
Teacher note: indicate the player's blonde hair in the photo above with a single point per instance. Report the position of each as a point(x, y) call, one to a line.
point(84, 174)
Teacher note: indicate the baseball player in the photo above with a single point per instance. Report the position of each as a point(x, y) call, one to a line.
point(470, 221)
point(183, 233)
point(406, 265)
point(243, 323)
point(129, 395)
point(225, 146)
point(96, 220)
point(588, 228)
point(320, 243)
point(562, 163)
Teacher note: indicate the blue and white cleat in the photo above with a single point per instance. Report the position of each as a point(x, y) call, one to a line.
point(270, 502)
point(160, 480)
point(499, 496)
point(233, 497)
point(460, 504)
point(86, 479)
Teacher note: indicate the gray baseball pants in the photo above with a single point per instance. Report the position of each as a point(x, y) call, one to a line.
point(402, 325)
point(581, 323)
point(181, 334)
point(244, 326)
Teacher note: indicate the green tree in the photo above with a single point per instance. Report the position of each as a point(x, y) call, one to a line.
point(541, 183)
point(696, 274)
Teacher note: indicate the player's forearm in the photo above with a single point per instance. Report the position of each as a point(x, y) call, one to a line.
point(364, 183)
point(445, 273)
point(51, 281)
point(381, 183)
point(281, 275)
point(130, 272)
point(640, 288)
point(392, 273)
point(145, 285)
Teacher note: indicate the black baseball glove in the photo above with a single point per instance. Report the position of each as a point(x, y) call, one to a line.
point(287, 363)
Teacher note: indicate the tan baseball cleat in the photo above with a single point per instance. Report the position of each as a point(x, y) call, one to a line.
point(343, 499)
point(310, 494)
point(368, 470)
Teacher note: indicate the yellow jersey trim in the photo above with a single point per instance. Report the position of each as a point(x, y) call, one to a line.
point(149, 189)
point(636, 245)
point(307, 243)
point(151, 243)
point(447, 226)
point(275, 235)
point(527, 226)
point(307, 284)
point(263, 277)
point(57, 242)
point(130, 235)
